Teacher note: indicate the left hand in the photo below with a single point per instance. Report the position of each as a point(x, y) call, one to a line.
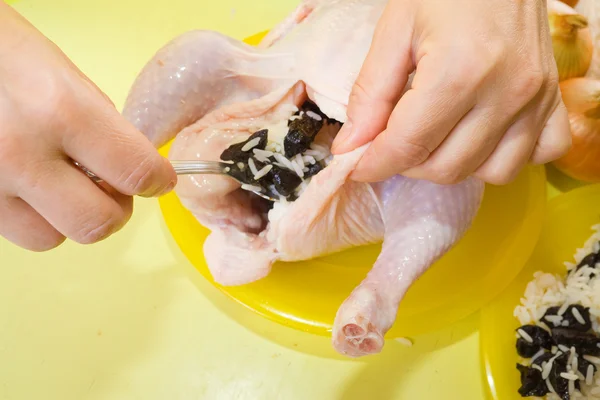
point(484, 99)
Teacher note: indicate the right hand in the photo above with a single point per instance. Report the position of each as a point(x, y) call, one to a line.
point(51, 114)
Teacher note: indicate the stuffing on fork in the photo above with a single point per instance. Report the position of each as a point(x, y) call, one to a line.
point(213, 93)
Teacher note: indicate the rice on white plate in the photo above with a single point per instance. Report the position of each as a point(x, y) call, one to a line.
point(559, 340)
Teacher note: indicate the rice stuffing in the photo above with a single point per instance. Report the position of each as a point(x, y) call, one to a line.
point(559, 337)
point(280, 161)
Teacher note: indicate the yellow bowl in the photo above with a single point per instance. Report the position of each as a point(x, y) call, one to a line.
point(306, 295)
point(567, 226)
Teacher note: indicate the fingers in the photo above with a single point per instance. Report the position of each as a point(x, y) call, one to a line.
point(555, 140)
point(421, 120)
point(23, 226)
point(471, 142)
point(114, 150)
point(72, 203)
point(380, 83)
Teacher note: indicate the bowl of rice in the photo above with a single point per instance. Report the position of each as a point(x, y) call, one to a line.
point(541, 337)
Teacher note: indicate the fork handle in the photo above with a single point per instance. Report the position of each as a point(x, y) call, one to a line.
point(180, 167)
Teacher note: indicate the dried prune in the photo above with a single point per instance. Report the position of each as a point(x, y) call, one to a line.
point(313, 170)
point(584, 343)
point(285, 181)
point(543, 358)
point(589, 261)
point(235, 153)
point(302, 132)
point(560, 384)
point(242, 172)
point(541, 339)
point(583, 364)
point(532, 383)
point(569, 316)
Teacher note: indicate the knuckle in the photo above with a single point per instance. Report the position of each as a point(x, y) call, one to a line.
point(477, 62)
point(99, 227)
point(547, 151)
point(410, 154)
point(360, 93)
point(53, 103)
point(447, 175)
point(528, 84)
point(498, 177)
point(142, 178)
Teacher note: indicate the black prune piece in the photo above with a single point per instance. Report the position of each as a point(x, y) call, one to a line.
point(526, 349)
point(313, 170)
point(532, 383)
point(573, 323)
point(302, 132)
point(543, 358)
point(541, 339)
point(583, 364)
point(560, 384)
point(242, 172)
point(285, 181)
point(310, 106)
point(584, 343)
point(235, 153)
point(589, 261)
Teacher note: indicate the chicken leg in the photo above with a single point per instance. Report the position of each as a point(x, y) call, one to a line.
point(422, 222)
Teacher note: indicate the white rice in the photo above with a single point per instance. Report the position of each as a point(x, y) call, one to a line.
point(262, 155)
point(568, 375)
point(314, 115)
point(264, 170)
point(251, 144)
point(284, 161)
point(525, 335)
point(577, 288)
point(578, 316)
point(563, 309)
point(298, 165)
point(252, 166)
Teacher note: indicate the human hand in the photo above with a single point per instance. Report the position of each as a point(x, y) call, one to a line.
point(50, 116)
point(484, 99)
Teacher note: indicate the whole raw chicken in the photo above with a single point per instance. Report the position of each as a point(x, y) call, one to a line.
point(210, 92)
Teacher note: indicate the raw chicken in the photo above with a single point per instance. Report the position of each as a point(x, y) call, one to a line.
point(209, 91)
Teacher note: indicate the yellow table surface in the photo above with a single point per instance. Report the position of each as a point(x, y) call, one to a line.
point(130, 318)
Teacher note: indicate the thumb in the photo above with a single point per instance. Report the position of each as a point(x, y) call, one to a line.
point(380, 83)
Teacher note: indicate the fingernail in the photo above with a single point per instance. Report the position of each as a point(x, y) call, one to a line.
point(341, 141)
point(168, 189)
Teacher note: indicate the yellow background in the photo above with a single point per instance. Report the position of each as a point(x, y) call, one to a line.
point(130, 318)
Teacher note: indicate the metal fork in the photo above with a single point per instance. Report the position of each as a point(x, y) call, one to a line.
point(188, 168)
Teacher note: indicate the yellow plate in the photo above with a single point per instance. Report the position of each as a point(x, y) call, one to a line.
point(306, 295)
point(567, 226)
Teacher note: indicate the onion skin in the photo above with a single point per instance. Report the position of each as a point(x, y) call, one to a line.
point(571, 41)
point(582, 99)
point(570, 3)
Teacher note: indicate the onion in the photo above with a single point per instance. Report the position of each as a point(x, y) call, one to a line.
point(570, 3)
point(582, 99)
point(591, 10)
point(571, 40)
